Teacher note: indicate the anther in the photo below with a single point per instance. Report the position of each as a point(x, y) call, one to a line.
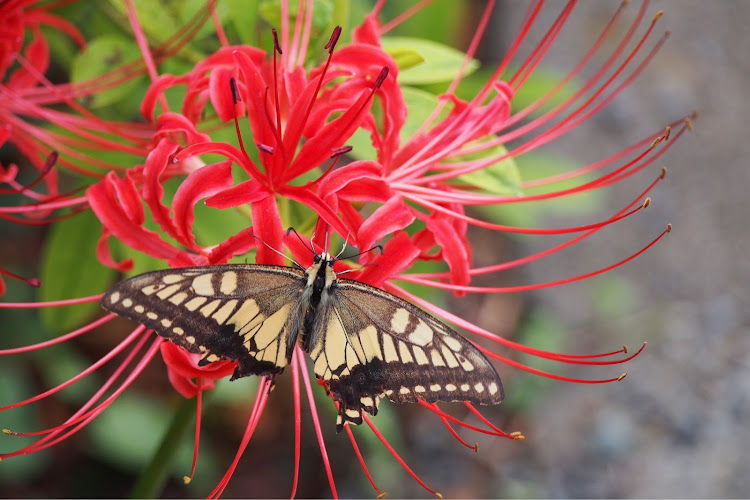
point(276, 41)
point(381, 77)
point(624, 349)
point(476, 447)
point(622, 376)
point(657, 16)
point(669, 228)
point(689, 122)
point(438, 495)
point(187, 479)
point(663, 172)
point(340, 151)
point(334, 38)
point(265, 148)
point(8, 432)
point(667, 130)
point(646, 202)
point(382, 494)
point(235, 93)
point(51, 160)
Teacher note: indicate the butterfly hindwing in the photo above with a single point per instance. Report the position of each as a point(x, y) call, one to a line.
point(246, 313)
point(372, 344)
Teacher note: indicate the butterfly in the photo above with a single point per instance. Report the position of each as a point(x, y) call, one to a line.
point(365, 343)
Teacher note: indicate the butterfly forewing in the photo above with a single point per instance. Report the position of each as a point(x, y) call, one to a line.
point(245, 313)
point(372, 344)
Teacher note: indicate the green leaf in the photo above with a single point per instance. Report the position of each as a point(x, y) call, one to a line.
point(243, 18)
point(420, 105)
point(102, 55)
point(70, 269)
point(406, 57)
point(441, 62)
point(501, 178)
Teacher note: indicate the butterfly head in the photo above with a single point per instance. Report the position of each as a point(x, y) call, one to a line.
point(320, 275)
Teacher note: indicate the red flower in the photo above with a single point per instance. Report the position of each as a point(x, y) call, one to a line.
point(413, 193)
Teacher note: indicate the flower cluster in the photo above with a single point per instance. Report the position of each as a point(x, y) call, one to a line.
point(414, 193)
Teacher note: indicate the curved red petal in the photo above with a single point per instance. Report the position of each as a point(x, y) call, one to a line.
point(221, 94)
point(153, 190)
point(156, 90)
point(206, 181)
point(243, 193)
point(398, 254)
point(267, 226)
point(390, 217)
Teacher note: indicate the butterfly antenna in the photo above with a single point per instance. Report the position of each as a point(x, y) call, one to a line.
point(375, 248)
point(272, 248)
point(309, 247)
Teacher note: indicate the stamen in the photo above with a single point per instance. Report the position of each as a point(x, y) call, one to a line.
point(316, 422)
point(235, 93)
point(397, 456)
point(297, 423)
point(381, 494)
point(333, 40)
point(29, 281)
point(381, 77)
point(340, 151)
point(264, 148)
point(276, 45)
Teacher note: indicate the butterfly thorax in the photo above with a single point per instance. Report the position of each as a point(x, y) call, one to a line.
point(320, 279)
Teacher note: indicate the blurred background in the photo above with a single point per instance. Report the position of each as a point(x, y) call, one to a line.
point(675, 427)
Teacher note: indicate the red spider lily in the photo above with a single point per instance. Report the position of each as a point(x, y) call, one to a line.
point(414, 194)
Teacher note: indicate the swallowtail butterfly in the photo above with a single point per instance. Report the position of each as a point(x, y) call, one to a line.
point(365, 343)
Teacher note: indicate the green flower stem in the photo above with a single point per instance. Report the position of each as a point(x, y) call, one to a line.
point(151, 481)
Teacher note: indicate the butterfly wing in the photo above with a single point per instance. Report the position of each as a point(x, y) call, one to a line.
point(372, 344)
point(245, 313)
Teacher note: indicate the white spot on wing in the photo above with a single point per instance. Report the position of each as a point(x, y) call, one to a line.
point(399, 320)
point(422, 334)
point(114, 297)
point(195, 303)
point(209, 308)
point(403, 350)
point(202, 285)
point(139, 309)
point(178, 298)
point(454, 344)
point(127, 303)
point(222, 314)
point(420, 356)
point(228, 282)
point(172, 278)
point(389, 350)
point(167, 292)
